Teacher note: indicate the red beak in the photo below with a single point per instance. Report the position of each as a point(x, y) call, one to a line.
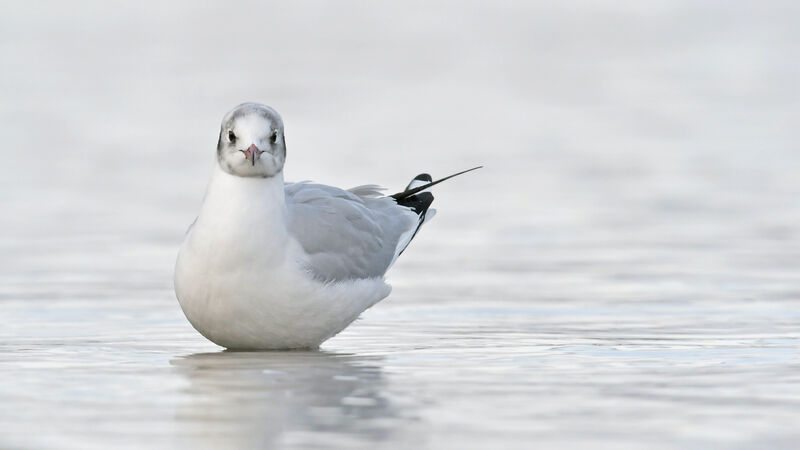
point(252, 153)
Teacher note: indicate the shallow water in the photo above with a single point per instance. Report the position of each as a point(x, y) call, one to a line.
point(623, 273)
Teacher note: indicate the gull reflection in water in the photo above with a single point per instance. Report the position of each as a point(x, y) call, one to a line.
point(267, 398)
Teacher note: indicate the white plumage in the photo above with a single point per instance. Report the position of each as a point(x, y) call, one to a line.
point(269, 265)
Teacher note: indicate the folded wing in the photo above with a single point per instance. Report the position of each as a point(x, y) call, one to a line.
point(348, 234)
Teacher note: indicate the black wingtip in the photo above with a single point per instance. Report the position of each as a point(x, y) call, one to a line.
point(418, 203)
point(409, 192)
point(424, 177)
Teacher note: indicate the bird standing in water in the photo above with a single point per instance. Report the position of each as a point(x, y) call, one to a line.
point(275, 265)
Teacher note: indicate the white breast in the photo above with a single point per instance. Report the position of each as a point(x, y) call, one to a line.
point(240, 280)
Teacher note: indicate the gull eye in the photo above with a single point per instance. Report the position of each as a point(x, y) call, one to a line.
point(273, 137)
point(231, 136)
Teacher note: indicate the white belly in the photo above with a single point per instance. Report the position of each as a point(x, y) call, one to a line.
point(256, 304)
point(240, 280)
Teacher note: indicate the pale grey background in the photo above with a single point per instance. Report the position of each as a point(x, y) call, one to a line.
point(624, 271)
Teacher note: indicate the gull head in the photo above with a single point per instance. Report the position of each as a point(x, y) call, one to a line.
point(251, 141)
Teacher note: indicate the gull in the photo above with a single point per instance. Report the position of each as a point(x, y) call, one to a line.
point(274, 265)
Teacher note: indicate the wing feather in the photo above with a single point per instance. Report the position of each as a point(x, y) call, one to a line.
point(347, 234)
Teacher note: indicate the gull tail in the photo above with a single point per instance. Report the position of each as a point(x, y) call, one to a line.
point(420, 202)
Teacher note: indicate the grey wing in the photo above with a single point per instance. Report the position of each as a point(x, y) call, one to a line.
point(348, 234)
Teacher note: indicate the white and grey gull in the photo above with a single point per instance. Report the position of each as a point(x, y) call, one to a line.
point(275, 265)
